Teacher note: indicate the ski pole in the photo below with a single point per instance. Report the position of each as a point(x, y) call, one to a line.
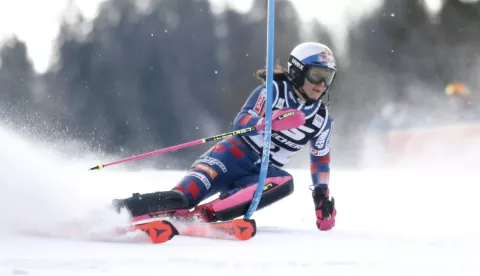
point(184, 145)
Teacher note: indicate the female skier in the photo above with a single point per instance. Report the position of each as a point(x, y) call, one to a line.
point(232, 166)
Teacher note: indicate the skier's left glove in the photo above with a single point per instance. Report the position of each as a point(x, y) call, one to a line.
point(324, 208)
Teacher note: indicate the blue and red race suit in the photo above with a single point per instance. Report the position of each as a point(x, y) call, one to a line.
point(234, 163)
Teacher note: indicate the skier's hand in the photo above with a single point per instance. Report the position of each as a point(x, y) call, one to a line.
point(324, 209)
point(284, 119)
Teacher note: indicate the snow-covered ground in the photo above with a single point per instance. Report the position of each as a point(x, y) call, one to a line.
point(390, 222)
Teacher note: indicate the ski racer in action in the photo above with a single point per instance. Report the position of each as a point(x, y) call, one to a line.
point(232, 166)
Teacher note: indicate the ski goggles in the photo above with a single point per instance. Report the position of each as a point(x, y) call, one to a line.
point(316, 74)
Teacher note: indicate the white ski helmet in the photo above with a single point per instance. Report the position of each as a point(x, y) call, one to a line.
point(307, 56)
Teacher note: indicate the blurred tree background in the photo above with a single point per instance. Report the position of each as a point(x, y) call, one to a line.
point(141, 78)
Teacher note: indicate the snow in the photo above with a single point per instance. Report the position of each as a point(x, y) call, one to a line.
point(390, 222)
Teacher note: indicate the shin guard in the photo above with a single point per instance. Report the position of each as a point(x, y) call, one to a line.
point(236, 205)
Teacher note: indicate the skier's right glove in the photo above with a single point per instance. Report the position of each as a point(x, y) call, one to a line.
point(284, 119)
point(324, 208)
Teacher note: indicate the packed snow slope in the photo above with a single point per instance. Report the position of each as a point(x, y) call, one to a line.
point(390, 222)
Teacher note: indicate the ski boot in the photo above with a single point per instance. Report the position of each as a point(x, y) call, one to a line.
point(153, 203)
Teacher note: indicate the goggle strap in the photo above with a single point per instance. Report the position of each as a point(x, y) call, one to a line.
point(294, 61)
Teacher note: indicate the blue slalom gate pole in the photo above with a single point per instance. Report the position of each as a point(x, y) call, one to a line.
point(268, 110)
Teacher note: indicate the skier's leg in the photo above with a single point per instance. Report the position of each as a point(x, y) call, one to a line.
point(214, 173)
point(235, 202)
point(207, 176)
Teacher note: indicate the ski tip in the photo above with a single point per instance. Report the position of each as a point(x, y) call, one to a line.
point(253, 225)
point(237, 229)
point(174, 230)
point(247, 228)
point(159, 231)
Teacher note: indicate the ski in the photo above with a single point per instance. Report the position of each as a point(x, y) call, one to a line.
point(237, 229)
point(158, 231)
point(161, 231)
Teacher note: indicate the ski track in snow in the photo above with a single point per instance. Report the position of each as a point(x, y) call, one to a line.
point(390, 222)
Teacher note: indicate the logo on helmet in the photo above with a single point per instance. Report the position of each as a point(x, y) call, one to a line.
point(326, 57)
